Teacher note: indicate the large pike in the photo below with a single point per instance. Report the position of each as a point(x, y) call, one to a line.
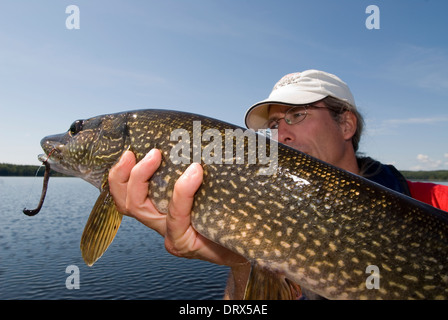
point(306, 222)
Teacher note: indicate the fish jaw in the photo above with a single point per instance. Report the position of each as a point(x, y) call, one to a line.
point(58, 155)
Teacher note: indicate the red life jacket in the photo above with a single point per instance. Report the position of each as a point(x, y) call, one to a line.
point(430, 193)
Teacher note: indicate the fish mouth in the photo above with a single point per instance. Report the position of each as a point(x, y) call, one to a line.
point(43, 157)
point(52, 153)
point(53, 158)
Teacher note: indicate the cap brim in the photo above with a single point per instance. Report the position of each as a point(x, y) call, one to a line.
point(257, 115)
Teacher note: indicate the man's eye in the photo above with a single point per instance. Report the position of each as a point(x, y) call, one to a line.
point(297, 114)
point(273, 124)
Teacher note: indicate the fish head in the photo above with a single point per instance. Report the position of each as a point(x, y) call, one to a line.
point(88, 149)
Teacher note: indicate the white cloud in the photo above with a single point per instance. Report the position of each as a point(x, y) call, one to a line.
point(427, 163)
point(416, 120)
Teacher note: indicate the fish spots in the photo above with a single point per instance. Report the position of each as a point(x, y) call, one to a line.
point(368, 253)
point(251, 206)
point(285, 245)
point(310, 252)
point(279, 205)
point(162, 205)
point(386, 267)
point(221, 224)
point(292, 261)
point(350, 240)
point(410, 278)
point(315, 269)
point(419, 295)
point(322, 229)
point(398, 285)
point(301, 257)
point(429, 287)
point(240, 250)
point(386, 238)
point(332, 246)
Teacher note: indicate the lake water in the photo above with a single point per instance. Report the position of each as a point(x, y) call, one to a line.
point(35, 251)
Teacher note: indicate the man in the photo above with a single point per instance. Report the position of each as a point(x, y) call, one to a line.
point(315, 113)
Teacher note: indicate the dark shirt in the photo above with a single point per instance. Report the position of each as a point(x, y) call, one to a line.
point(386, 175)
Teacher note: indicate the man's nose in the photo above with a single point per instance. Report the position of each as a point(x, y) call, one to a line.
point(284, 134)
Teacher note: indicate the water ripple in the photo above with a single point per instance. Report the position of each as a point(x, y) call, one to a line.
point(35, 251)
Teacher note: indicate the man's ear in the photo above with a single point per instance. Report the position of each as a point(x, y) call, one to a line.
point(349, 124)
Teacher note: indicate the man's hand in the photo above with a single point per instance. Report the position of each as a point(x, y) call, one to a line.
point(128, 183)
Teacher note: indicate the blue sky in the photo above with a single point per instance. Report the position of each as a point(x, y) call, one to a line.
point(219, 57)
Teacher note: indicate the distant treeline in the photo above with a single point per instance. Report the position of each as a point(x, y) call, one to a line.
point(15, 170)
point(437, 175)
point(30, 171)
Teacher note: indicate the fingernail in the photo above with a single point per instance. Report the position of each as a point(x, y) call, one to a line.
point(191, 170)
point(123, 156)
point(150, 154)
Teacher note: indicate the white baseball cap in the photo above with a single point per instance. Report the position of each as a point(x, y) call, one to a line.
point(299, 88)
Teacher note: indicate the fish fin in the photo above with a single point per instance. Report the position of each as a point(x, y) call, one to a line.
point(265, 284)
point(100, 229)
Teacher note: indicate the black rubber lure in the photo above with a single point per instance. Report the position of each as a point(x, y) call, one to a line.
point(44, 192)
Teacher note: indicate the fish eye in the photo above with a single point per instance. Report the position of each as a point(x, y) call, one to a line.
point(76, 127)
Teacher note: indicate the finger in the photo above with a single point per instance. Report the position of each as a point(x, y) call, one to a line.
point(140, 174)
point(118, 179)
point(138, 204)
point(178, 218)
